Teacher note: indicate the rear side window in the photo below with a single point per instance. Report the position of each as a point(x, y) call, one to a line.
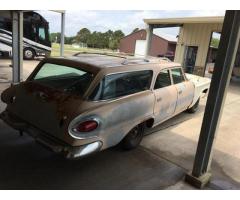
point(121, 84)
point(163, 79)
point(177, 75)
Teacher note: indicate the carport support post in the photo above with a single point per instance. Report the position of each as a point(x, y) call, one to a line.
point(17, 46)
point(62, 33)
point(149, 30)
point(200, 175)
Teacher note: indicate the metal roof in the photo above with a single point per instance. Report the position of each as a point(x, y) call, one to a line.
point(167, 37)
point(185, 20)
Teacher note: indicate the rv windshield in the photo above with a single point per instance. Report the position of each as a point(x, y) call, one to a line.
point(65, 78)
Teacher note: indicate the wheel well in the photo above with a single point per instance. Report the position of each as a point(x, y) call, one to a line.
point(149, 123)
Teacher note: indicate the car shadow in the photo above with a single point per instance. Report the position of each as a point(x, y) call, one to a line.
point(27, 165)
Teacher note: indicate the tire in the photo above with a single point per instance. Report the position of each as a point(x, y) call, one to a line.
point(133, 138)
point(28, 54)
point(194, 108)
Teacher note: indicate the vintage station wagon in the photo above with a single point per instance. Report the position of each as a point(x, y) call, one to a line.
point(90, 102)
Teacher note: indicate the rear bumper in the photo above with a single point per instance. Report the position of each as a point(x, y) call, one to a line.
point(52, 143)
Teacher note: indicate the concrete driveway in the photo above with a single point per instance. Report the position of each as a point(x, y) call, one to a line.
point(162, 160)
point(177, 141)
point(6, 70)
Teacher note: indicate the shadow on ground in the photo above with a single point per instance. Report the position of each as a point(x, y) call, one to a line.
point(26, 165)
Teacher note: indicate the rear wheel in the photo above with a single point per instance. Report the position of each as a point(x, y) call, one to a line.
point(194, 108)
point(133, 138)
point(29, 54)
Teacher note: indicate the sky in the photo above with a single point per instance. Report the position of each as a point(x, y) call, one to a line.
point(100, 20)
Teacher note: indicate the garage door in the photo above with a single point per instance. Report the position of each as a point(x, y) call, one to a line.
point(140, 47)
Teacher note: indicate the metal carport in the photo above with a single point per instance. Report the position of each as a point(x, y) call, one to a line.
point(229, 41)
point(193, 32)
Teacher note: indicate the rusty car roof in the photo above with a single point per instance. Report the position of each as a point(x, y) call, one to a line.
point(96, 62)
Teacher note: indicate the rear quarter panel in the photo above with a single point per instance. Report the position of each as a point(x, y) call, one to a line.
point(117, 117)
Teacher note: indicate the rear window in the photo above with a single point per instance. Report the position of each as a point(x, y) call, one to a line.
point(122, 84)
point(68, 79)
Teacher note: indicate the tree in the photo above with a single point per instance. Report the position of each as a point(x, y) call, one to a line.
point(215, 42)
point(83, 35)
point(108, 39)
point(113, 44)
point(135, 30)
point(55, 37)
point(118, 34)
point(115, 40)
point(69, 40)
point(92, 40)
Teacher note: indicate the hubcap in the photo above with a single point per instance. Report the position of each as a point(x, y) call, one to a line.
point(28, 53)
point(134, 132)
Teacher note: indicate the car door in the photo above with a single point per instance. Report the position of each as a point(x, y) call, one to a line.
point(165, 96)
point(185, 89)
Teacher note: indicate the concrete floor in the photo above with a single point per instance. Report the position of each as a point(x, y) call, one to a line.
point(177, 140)
point(160, 162)
point(6, 71)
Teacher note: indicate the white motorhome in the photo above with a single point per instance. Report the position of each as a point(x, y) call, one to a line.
point(36, 38)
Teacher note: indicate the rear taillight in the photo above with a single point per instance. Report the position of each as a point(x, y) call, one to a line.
point(86, 126)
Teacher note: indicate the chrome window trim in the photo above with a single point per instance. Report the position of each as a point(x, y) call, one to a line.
point(169, 72)
point(113, 73)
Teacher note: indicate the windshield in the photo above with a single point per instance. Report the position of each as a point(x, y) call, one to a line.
point(65, 78)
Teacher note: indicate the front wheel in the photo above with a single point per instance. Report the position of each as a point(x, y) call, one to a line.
point(133, 138)
point(28, 54)
point(194, 108)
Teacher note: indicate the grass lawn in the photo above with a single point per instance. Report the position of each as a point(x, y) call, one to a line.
point(69, 50)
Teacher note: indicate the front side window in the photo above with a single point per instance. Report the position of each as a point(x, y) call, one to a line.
point(65, 78)
point(177, 75)
point(121, 84)
point(163, 79)
point(41, 33)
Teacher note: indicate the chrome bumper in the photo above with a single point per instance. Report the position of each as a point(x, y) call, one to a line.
point(54, 144)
